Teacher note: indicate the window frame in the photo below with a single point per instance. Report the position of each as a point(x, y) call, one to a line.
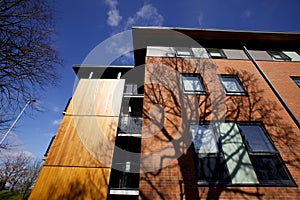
point(241, 92)
point(266, 155)
point(283, 56)
point(184, 52)
point(202, 91)
point(216, 50)
point(295, 79)
point(217, 156)
point(283, 178)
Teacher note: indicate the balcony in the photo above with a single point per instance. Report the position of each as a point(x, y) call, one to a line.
point(132, 90)
point(130, 126)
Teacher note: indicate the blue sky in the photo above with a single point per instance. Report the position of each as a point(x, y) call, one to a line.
point(82, 24)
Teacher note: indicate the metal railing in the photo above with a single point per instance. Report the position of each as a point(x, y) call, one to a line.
point(129, 124)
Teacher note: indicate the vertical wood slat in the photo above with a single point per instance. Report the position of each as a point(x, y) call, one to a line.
point(57, 183)
point(88, 130)
point(79, 162)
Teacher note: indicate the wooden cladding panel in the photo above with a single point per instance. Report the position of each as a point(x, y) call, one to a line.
point(87, 134)
point(71, 183)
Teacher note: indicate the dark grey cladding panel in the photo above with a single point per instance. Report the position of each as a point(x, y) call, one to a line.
point(260, 55)
point(235, 54)
point(98, 72)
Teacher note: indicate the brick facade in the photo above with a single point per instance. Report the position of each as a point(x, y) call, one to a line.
point(178, 179)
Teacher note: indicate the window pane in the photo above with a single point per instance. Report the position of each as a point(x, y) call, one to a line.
point(278, 55)
point(256, 139)
point(216, 53)
point(296, 80)
point(192, 84)
point(204, 139)
point(130, 88)
point(212, 169)
point(235, 153)
point(293, 55)
point(200, 53)
point(231, 84)
point(269, 169)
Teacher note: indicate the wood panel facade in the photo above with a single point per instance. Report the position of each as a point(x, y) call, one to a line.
point(79, 161)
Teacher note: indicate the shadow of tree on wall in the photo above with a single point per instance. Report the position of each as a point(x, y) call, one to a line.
point(170, 126)
point(74, 183)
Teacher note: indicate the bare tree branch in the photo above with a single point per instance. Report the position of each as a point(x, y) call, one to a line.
point(28, 59)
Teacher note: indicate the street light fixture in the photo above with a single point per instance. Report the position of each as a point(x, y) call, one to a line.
point(29, 101)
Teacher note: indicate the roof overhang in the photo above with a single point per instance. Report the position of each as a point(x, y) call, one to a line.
point(100, 71)
point(176, 37)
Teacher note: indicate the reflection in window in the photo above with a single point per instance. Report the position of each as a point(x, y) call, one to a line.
point(192, 83)
point(256, 139)
point(184, 52)
point(204, 139)
point(210, 161)
point(216, 53)
point(232, 85)
point(265, 159)
point(296, 80)
point(278, 55)
point(130, 89)
point(227, 153)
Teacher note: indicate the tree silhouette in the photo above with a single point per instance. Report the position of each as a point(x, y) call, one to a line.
point(163, 88)
point(28, 59)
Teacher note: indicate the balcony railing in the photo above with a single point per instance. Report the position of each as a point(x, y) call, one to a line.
point(123, 175)
point(130, 125)
point(131, 89)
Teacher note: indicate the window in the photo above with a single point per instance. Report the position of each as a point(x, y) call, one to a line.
point(293, 55)
point(278, 55)
point(209, 158)
point(184, 52)
point(192, 83)
point(265, 159)
point(227, 153)
point(216, 53)
point(296, 80)
point(130, 89)
point(232, 85)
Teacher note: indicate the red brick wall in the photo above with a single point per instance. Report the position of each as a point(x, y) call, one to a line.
point(167, 111)
point(279, 74)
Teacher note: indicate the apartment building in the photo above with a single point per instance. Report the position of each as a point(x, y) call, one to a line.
point(203, 114)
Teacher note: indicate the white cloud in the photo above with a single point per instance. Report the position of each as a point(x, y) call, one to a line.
point(114, 18)
point(56, 109)
point(121, 45)
point(148, 15)
point(56, 122)
point(200, 19)
point(49, 134)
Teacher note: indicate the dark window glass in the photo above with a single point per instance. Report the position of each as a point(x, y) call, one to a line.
point(210, 164)
point(296, 80)
point(254, 162)
point(211, 169)
point(278, 55)
point(270, 170)
point(266, 161)
point(256, 139)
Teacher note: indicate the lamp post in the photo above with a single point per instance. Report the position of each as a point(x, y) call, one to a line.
point(29, 101)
